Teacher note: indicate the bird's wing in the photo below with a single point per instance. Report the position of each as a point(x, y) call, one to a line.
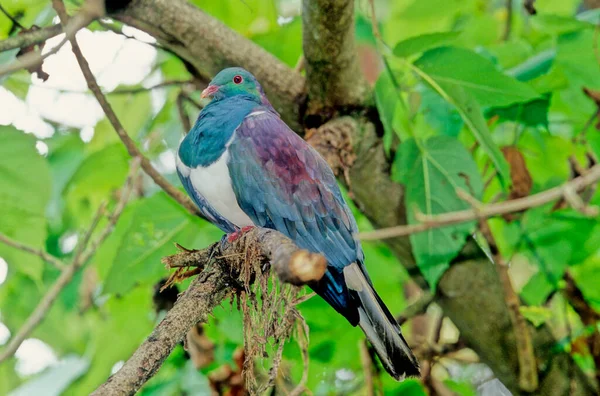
point(281, 182)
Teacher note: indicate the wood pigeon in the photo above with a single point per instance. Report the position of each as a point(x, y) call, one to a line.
point(244, 167)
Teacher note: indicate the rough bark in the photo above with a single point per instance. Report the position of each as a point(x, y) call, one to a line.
point(333, 72)
point(469, 292)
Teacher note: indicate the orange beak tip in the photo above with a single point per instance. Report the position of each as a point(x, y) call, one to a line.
point(209, 91)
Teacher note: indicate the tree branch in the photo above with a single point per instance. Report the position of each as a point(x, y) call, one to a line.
point(130, 145)
point(91, 10)
point(84, 253)
point(567, 190)
point(528, 372)
point(30, 37)
point(47, 257)
point(333, 74)
point(469, 291)
point(221, 268)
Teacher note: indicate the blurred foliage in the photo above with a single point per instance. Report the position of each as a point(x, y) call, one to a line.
point(449, 87)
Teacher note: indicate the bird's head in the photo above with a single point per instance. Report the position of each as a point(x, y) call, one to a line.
point(235, 81)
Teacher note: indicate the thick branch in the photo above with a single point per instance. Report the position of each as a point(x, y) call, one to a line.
point(333, 74)
point(222, 267)
point(528, 373)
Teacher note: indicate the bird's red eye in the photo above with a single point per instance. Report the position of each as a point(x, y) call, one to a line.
point(238, 79)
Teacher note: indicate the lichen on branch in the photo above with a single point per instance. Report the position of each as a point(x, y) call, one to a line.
point(228, 269)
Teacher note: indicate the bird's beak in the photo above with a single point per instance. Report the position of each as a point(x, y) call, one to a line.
point(209, 91)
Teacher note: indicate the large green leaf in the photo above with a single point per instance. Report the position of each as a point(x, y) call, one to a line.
point(415, 45)
point(470, 112)
point(432, 171)
point(453, 68)
point(156, 224)
point(441, 115)
point(577, 57)
point(25, 186)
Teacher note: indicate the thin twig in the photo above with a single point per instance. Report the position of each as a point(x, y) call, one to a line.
point(47, 257)
point(367, 365)
point(130, 145)
point(185, 120)
point(488, 210)
point(44, 306)
point(91, 10)
point(30, 37)
point(12, 18)
point(164, 84)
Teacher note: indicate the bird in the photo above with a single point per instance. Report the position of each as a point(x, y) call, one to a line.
point(244, 167)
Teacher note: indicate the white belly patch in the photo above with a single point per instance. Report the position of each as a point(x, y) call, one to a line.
point(214, 184)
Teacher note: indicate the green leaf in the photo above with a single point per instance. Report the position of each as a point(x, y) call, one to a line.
point(576, 55)
point(415, 45)
point(65, 154)
point(410, 387)
point(537, 289)
point(556, 24)
point(558, 7)
point(533, 67)
point(586, 278)
point(157, 223)
point(291, 35)
point(535, 314)
point(116, 332)
point(454, 68)
point(386, 100)
point(441, 115)
point(471, 114)
point(249, 17)
point(534, 113)
point(25, 186)
point(461, 94)
point(98, 175)
point(436, 169)
point(460, 388)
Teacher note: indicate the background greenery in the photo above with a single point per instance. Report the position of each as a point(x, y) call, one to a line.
point(448, 81)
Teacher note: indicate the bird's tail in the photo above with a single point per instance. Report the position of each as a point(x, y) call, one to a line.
point(380, 327)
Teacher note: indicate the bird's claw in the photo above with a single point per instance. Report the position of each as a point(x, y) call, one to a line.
point(234, 236)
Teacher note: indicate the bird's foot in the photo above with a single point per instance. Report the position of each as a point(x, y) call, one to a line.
point(234, 236)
